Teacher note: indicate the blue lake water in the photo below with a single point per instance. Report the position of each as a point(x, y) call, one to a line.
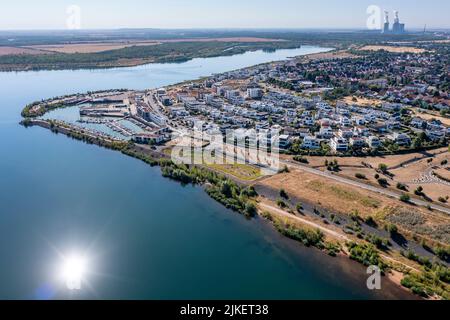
point(145, 237)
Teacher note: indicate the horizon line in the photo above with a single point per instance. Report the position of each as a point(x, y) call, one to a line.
point(223, 29)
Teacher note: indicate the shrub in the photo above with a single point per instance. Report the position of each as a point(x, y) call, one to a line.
point(382, 182)
point(281, 204)
point(301, 159)
point(442, 199)
point(305, 236)
point(360, 176)
point(370, 221)
point(250, 209)
point(405, 198)
point(417, 288)
point(392, 229)
point(401, 186)
point(442, 253)
point(383, 167)
point(283, 194)
point(249, 192)
point(365, 254)
point(419, 191)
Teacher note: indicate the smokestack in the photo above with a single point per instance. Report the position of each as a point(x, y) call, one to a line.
point(386, 16)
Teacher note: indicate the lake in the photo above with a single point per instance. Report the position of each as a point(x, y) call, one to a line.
point(144, 237)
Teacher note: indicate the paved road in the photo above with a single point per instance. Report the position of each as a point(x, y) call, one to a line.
point(361, 185)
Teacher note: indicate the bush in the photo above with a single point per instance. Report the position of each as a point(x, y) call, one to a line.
point(299, 207)
point(442, 199)
point(442, 253)
point(365, 254)
point(383, 167)
point(301, 159)
point(410, 283)
point(419, 191)
point(305, 236)
point(392, 229)
point(250, 210)
point(249, 192)
point(283, 194)
point(281, 204)
point(370, 221)
point(401, 186)
point(360, 176)
point(382, 182)
point(405, 198)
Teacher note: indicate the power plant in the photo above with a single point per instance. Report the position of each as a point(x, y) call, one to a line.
point(397, 27)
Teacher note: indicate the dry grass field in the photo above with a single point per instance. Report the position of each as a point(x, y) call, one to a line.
point(393, 49)
point(243, 172)
point(17, 50)
point(390, 161)
point(344, 199)
point(430, 116)
point(327, 56)
point(365, 102)
point(413, 170)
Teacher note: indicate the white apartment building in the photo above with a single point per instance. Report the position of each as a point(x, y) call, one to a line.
point(311, 143)
point(339, 144)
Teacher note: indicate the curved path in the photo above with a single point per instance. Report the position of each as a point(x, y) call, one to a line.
point(325, 230)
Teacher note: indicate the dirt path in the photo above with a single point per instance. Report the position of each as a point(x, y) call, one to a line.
point(328, 231)
point(283, 213)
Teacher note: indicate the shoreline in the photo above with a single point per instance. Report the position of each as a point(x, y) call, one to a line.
point(69, 132)
point(155, 158)
point(141, 61)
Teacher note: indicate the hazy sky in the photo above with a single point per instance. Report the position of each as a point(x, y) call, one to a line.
point(97, 14)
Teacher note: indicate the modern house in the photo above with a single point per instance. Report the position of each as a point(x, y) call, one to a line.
point(311, 143)
point(339, 144)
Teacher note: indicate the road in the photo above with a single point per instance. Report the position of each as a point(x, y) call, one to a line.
point(364, 186)
point(328, 175)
